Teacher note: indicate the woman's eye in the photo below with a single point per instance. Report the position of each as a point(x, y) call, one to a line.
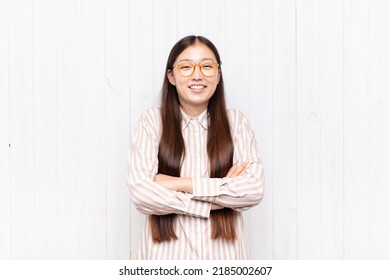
point(208, 65)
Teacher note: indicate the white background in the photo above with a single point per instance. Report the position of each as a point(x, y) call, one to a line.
point(312, 76)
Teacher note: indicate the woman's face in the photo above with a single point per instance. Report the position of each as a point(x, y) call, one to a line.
point(195, 90)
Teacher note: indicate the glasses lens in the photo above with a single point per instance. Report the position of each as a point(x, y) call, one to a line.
point(208, 68)
point(186, 68)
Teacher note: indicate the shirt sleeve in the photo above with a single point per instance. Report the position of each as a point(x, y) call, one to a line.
point(148, 197)
point(242, 192)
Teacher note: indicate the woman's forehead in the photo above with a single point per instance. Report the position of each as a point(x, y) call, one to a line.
point(197, 52)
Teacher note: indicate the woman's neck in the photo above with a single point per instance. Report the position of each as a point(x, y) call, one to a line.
point(193, 112)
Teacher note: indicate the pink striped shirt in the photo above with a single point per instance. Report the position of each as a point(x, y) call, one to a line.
point(192, 224)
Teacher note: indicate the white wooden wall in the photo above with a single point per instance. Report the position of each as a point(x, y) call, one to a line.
point(311, 75)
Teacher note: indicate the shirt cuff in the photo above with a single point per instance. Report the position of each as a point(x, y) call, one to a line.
point(195, 208)
point(206, 188)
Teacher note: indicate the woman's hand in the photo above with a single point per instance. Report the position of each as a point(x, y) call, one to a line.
point(216, 207)
point(237, 170)
point(178, 184)
point(165, 181)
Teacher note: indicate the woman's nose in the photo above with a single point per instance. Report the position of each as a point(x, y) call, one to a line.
point(197, 75)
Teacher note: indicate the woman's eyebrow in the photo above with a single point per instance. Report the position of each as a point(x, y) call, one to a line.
point(203, 59)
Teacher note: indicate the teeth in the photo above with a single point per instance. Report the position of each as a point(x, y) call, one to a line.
point(196, 86)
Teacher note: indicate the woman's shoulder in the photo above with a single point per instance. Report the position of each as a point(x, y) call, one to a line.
point(151, 114)
point(236, 118)
point(151, 117)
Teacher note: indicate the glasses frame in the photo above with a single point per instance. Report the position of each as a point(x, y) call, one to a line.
point(197, 64)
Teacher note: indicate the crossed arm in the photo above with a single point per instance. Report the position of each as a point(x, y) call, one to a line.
point(181, 184)
point(161, 194)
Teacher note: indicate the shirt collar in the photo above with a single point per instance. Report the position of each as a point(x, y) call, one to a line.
point(202, 119)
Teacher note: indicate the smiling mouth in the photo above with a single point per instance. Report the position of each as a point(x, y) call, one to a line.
point(197, 87)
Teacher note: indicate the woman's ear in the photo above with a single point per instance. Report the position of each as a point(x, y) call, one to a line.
point(170, 77)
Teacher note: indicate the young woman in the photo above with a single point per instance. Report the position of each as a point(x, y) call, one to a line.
point(194, 166)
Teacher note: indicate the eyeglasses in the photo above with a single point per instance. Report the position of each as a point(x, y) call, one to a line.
point(207, 68)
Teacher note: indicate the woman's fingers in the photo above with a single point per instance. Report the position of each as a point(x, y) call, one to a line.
point(237, 170)
point(241, 169)
point(232, 170)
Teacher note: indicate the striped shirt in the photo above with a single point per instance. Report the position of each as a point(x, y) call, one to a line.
point(192, 225)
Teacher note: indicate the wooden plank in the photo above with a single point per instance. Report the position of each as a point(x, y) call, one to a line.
point(378, 102)
point(70, 132)
point(308, 131)
point(164, 37)
point(45, 128)
point(188, 18)
point(355, 129)
point(331, 122)
point(141, 48)
point(117, 129)
point(236, 67)
point(93, 178)
point(5, 187)
point(22, 160)
point(261, 116)
point(236, 57)
point(284, 130)
point(141, 89)
point(212, 22)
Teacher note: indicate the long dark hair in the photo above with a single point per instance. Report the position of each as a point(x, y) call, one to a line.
point(172, 148)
